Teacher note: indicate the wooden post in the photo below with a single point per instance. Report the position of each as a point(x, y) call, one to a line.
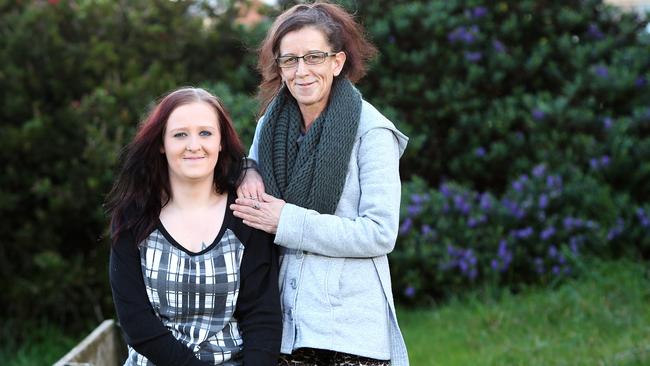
point(102, 347)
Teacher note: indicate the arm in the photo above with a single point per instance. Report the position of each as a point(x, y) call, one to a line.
point(252, 185)
point(258, 306)
point(143, 330)
point(374, 231)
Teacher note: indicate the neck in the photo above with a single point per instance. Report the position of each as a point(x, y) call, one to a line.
point(310, 113)
point(192, 194)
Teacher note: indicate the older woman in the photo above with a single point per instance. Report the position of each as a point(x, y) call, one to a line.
point(329, 163)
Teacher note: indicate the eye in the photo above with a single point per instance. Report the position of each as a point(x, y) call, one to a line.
point(205, 133)
point(180, 134)
point(287, 60)
point(314, 58)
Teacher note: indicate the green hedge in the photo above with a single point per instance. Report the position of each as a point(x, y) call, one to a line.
point(513, 105)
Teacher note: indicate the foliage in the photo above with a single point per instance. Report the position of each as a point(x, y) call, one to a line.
point(487, 90)
point(501, 100)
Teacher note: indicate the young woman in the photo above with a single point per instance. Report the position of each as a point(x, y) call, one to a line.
point(330, 163)
point(192, 285)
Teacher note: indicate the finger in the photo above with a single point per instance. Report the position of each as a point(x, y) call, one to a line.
point(267, 197)
point(242, 193)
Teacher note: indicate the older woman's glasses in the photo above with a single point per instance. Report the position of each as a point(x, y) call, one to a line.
point(311, 58)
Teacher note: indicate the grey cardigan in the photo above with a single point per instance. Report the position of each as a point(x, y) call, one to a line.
point(334, 275)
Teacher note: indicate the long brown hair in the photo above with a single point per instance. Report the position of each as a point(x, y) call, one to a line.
point(342, 32)
point(142, 186)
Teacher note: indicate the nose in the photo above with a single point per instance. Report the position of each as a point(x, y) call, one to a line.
point(301, 67)
point(193, 144)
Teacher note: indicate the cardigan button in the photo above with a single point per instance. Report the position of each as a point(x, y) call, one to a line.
point(300, 254)
point(294, 283)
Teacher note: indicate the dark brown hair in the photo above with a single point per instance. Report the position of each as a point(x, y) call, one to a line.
point(142, 186)
point(342, 32)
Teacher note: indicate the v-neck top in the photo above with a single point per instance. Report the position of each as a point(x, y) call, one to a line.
point(219, 306)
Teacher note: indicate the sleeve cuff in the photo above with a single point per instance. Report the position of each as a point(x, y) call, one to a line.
point(290, 227)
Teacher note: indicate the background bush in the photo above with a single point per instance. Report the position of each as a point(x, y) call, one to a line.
point(529, 125)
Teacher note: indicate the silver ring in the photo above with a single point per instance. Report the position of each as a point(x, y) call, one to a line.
point(256, 205)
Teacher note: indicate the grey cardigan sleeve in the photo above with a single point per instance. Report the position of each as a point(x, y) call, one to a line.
point(374, 230)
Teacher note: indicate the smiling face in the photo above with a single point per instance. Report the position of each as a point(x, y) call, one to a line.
point(310, 84)
point(192, 142)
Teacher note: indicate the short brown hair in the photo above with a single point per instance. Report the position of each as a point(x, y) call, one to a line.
point(342, 32)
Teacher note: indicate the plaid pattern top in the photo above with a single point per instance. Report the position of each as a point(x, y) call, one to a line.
point(198, 298)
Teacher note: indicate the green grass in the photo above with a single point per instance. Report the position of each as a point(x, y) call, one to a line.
point(43, 345)
point(601, 319)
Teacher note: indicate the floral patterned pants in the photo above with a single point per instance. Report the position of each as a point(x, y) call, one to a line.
point(320, 357)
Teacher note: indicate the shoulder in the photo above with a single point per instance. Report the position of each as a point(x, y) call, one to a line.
point(371, 119)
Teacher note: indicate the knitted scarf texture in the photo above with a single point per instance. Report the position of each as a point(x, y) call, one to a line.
point(309, 171)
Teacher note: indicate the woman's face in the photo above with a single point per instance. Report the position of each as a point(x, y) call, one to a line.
point(192, 142)
point(310, 84)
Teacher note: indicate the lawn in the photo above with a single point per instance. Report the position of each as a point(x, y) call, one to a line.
point(601, 319)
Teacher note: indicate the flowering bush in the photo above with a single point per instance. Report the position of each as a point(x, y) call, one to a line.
point(453, 238)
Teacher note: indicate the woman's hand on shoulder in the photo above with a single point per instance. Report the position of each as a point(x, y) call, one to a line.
point(252, 186)
point(261, 214)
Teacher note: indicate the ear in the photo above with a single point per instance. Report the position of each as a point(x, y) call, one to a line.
point(339, 62)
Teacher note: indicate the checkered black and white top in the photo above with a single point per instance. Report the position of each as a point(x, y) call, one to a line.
point(216, 307)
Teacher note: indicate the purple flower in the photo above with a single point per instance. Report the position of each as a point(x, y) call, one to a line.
point(461, 205)
point(543, 201)
point(513, 208)
point(604, 160)
point(419, 199)
point(643, 218)
point(444, 189)
point(463, 34)
point(406, 226)
point(495, 265)
point(478, 12)
point(616, 230)
point(554, 182)
point(601, 71)
point(480, 151)
point(413, 210)
point(594, 164)
point(594, 32)
point(498, 46)
point(473, 56)
point(547, 233)
point(518, 186)
point(608, 123)
point(486, 202)
point(539, 170)
point(524, 233)
point(574, 244)
point(556, 270)
point(640, 82)
point(409, 292)
point(426, 230)
point(538, 114)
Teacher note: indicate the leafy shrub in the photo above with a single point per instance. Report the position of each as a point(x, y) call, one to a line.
point(453, 238)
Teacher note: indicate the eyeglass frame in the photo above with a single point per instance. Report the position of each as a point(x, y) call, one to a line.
point(327, 54)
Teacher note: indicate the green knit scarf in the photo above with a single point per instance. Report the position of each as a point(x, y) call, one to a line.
point(310, 173)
